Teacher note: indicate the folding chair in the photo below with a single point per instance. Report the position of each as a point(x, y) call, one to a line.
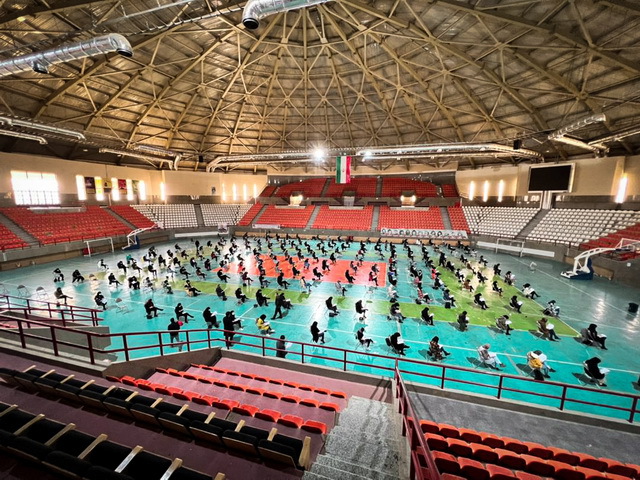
point(121, 306)
point(3, 289)
point(23, 291)
point(42, 293)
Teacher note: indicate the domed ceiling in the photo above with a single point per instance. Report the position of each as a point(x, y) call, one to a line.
point(344, 75)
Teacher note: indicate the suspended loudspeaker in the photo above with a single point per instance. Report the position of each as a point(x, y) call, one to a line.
point(517, 144)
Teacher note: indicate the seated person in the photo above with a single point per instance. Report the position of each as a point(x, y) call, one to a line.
point(509, 278)
point(467, 285)
point(537, 361)
point(180, 313)
point(515, 303)
point(191, 290)
point(133, 283)
point(446, 295)
point(397, 343)
point(395, 313)
point(342, 291)
point(496, 288)
point(200, 273)
point(547, 329)
point(437, 351)
point(264, 327)
point(240, 296)
point(316, 334)
point(364, 341)
point(148, 283)
point(220, 293)
point(167, 286)
point(58, 276)
point(393, 294)
point(77, 277)
point(210, 318)
point(427, 316)
point(360, 310)
point(223, 277)
point(463, 321)
point(100, 301)
point(552, 309)
point(593, 370)
point(489, 358)
point(479, 300)
point(262, 300)
point(60, 295)
point(122, 266)
point(504, 324)
point(112, 279)
point(333, 309)
point(590, 336)
point(529, 291)
point(151, 309)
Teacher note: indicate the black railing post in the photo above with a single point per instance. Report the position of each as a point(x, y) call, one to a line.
point(125, 345)
point(23, 341)
point(160, 344)
point(564, 397)
point(54, 340)
point(500, 386)
point(345, 360)
point(303, 353)
point(92, 356)
point(634, 406)
point(264, 353)
point(188, 341)
point(443, 378)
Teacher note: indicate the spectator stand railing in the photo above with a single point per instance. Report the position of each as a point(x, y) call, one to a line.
point(551, 394)
point(423, 466)
point(39, 310)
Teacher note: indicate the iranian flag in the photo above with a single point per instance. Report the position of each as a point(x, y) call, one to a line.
point(343, 169)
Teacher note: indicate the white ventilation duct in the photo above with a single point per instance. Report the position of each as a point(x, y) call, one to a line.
point(147, 158)
point(17, 122)
point(447, 149)
point(40, 61)
point(560, 135)
point(254, 10)
point(26, 136)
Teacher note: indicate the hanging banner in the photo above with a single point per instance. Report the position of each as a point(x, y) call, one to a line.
point(122, 184)
point(449, 234)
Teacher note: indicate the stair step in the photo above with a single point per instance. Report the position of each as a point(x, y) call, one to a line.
point(370, 456)
point(309, 475)
point(390, 442)
point(324, 461)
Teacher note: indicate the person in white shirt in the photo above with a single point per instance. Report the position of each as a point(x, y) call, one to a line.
point(489, 358)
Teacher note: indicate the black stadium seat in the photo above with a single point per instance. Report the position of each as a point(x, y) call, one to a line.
point(33, 442)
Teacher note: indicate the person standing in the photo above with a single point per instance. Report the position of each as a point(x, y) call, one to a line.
point(174, 329)
point(281, 347)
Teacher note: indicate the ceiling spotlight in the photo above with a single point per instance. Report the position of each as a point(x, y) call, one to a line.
point(318, 154)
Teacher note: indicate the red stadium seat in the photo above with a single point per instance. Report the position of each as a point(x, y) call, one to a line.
point(515, 445)
point(291, 421)
point(472, 469)
point(538, 466)
point(436, 442)
point(332, 407)
point(510, 459)
point(497, 472)
point(244, 409)
point(429, 427)
point(446, 462)
point(469, 435)
point(314, 427)
point(483, 453)
point(205, 400)
point(310, 402)
point(448, 430)
point(458, 447)
point(538, 450)
point(270, 394)
point(269, 415)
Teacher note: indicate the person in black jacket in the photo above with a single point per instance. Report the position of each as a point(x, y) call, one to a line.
point(316, 334)
point(261, 299)
point(210, 318)
point(331, 307)
point(360, 310)
point(179, 311)
point(229, 322)
point(151, 309)
point(174, 328)
point(240, 296)
point(220, 293)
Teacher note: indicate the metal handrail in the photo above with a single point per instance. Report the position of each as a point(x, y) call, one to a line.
point(420, 451)
point(71, 312)
point(499, 387)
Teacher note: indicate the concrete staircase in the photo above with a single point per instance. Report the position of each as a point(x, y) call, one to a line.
point(256, 219)
point(375, 218)
point(532, 224)
point(119, 218)
point(325, 188)
point(313, 216)
point(364, 445)
point(199, 216)
point(445, 218)
point(17, 230)
point(379, 187)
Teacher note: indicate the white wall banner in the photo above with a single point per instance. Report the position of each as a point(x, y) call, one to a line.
point(266, 226)
point(399, 232)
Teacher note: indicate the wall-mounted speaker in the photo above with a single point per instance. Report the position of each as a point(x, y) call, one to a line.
point(517, 144)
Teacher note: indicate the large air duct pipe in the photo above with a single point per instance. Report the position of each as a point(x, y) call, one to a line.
point(560, 135)
point(17, 122)
point(443, 149)
point(254, 10)
point(40, 61)
point(26, 136)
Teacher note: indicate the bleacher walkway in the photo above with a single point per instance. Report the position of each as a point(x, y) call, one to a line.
point(376, 218)
point(17, 230)
point(363, 445)
point(120, 218)
point(314, 215)
point(444, 212)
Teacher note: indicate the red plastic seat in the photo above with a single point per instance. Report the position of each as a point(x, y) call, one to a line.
point(290, 421)
point(538, 466)
point(458, 447)
point(174, 372)
point(338, 394)
point(205, 400)
point(287, 383)
point(590, 474)
point(255, 391)
point(446, 462)
point(190, 376)
point(510, 459)
point(469, 435)
point(332, 407)
point(187, 396)
point(165, 390)
point(314, 427)
point(162, 370)
point(428, 426)
point(269, 415)
point(436, 442)
point(306, 388)
point(566, 472)
point(527, 476)
point(472, 469)
point(491, 440)
point(238, 387)
point(149, 387)
point(225, 404)
point(290, 398)
point(538, 450)
point(133, 382)
point(206, 380)
point(322, 391)
point(482, 453)
point(275, 381)
point(565, 456)
point(515, 445)
point(448, 430)
point(233, 372)
point(113, 378)
point(589, 461)
point(247, 375)
point(244, 409)
point(619, 468)
point(497, 472)
point(221, 383)
point(270, 394)
point(310, 402)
